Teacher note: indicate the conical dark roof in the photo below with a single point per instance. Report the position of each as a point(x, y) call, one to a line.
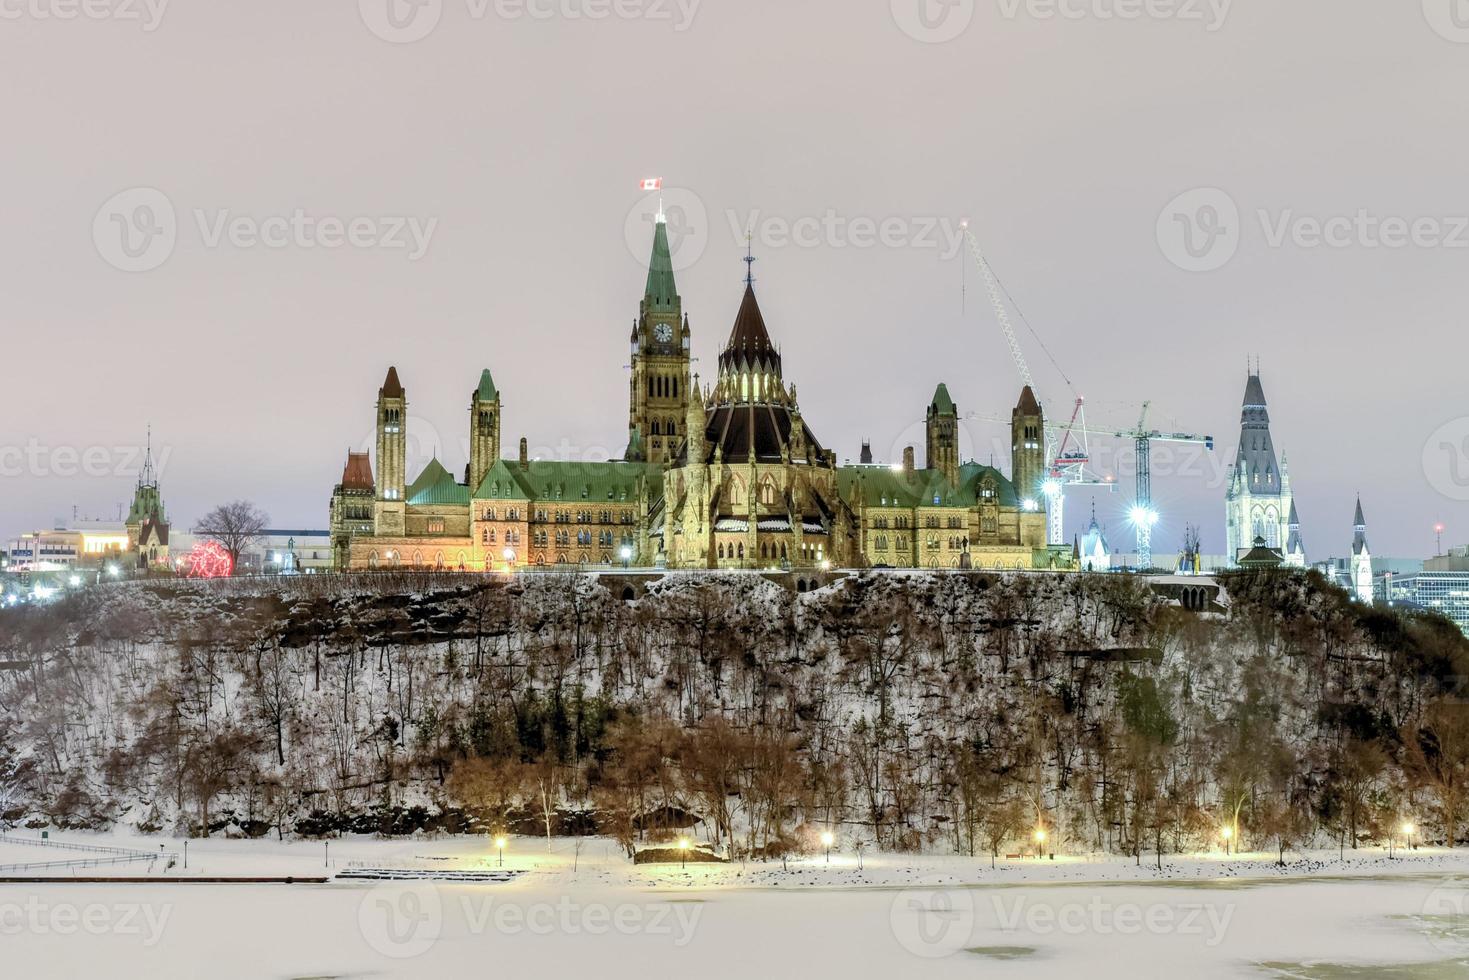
point(661, 296)
point(1256, 457)
point(1027, 404)
point(392, 387)
point(749, 341)
point(942, 404)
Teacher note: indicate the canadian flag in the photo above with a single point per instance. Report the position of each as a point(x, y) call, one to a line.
point(652, 184)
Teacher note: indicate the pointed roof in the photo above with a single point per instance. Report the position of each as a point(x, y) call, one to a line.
point(1254, 392)
point(1293, 519)
point(1359, 539)
point(392, 387)
point(942, 404)
point(749, 334)
point(1255, 463)
point(357, 474)
point(1359, 521)
point(486, 391)
point(502, 483)
point(435, 486)
point(661, 294)
point(1027, 404)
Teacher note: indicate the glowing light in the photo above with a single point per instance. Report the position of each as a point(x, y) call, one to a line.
point(828, 838)
point(500, 843)
point(1040, 836)
point(1030, 504)
point(74, 581)
point(1409, 830)
point(112, 570)
point(1051, 488)
point(1226, 832)
point(1142, 515)
point(43, 592)
point(209, 559)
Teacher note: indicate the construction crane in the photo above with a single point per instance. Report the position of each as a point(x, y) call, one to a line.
point(1144, 516)
point(1067, 452)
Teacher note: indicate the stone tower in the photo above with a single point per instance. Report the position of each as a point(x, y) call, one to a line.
point(942, 451)
point(659, 390)
point(484, 430)
point(1361, 560)
point(1258, 500)
point(392, 456)
point(1028, 449)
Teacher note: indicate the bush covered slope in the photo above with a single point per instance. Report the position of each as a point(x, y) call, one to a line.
point(954, 711)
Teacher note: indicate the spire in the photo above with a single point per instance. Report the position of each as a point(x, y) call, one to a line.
point(1027, 404)
point(942, 404)
point(661, 294)
point(1360, 521)
point(146, 478)
point(1359, 526)
point(749, 341)
point(392, 387)
point(1255, 461)
point(749, 260)
point(487, 391)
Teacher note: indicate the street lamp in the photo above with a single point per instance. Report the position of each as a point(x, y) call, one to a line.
point(500, 846)
point(828, 839)
point(683, 852)
point(1040, 840)
point(509, 555)
point(1408, 831)
point(1227, 833)
point(626, 556)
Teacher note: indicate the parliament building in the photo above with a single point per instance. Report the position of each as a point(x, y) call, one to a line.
point(730, 475)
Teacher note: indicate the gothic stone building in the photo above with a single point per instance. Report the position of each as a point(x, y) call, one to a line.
point(728, 476)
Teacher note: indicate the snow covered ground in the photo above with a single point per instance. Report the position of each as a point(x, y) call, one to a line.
point(593, 914)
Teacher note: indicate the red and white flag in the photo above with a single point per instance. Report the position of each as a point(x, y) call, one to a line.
point(652, 184)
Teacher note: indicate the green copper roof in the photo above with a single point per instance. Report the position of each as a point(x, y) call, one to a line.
point(435, 486)
point(487, 391)
point(883, 487)
point(661, 295)
point(942, 402)
point(502, 483)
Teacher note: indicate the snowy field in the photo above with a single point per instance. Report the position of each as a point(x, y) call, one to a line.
point(586, 911)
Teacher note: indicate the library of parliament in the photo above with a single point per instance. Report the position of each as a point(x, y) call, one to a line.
point(730, 475)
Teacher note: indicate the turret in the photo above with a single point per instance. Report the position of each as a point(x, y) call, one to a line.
point(392, 455)
point(942, 448)
point(484, 429)
point(1028, 448)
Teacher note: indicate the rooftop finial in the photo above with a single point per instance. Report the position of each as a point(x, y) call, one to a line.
point(749, 259)
point(145, 478)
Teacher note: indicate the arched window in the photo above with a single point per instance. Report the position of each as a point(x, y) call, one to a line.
point(767, 491)
point(736, 491)
point(742, 550)
point(721, 551)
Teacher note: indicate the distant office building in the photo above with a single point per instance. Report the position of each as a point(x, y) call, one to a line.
point(289, 552)
point(1442, 591)
point(84, 544)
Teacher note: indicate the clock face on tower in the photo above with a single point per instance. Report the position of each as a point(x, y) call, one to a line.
point(663, 333)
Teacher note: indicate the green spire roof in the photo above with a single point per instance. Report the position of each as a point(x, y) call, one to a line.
point(487, 391)
point(661, 295)
point(942, 403)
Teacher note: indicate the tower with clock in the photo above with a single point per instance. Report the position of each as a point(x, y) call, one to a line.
point(660, 389)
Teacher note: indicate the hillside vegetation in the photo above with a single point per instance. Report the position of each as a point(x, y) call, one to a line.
point(927, 712)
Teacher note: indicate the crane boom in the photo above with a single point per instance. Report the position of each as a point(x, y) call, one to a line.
point(992, 287)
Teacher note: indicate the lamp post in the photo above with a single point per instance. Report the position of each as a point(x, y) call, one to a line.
point(1408, 831)
point(828, 839)
point(509, 555)
point(683, 852)
point(626, 557)
point(500, 846)
point(1227, 833)
point(1040, 840)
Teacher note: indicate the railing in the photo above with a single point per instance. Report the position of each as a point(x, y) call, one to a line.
point(105, 855)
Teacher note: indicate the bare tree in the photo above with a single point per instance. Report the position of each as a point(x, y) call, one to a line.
point(236, 526)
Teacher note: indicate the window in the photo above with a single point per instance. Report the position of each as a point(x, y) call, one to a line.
point(767, 493)
point(435, 527)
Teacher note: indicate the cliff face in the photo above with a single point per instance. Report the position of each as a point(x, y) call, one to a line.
point(909, 711)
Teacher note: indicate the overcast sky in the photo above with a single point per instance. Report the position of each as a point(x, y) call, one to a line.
point(1115, 170)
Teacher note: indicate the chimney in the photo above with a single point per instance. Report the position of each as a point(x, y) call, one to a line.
point(866, 457)
point(524, 452)
point(908, 460)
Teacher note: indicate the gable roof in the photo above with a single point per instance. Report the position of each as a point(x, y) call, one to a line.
point(435, 487)
point(357, 474)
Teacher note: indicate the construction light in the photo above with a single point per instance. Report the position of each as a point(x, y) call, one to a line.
point(1051, 488)
point(1030, 504)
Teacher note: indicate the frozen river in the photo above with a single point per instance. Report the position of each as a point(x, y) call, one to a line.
point(608, 920)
